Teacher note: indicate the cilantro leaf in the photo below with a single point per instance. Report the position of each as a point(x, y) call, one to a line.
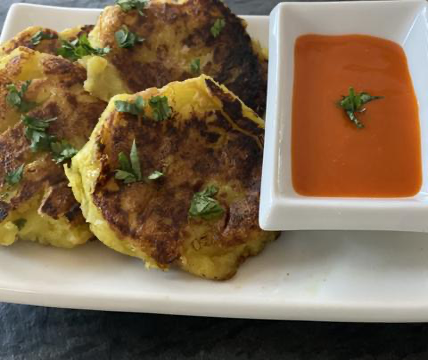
point(36, 123)
point(127, 39)
point(135, 108)
point(135, 161)
point(204, 205)
point(155, 175)
point(15, 176)
point(62, 151)
point(16, 98)
point(125, 172)
point(127, 5)
point(125, 164)
point(79, 48)
point(20, 223)
point(35, 132)
point(195, 66)
point(160, 107)
point(365, 98)
point(218, 26)
point(40, 141)
point(353, 118)
point(354, 103)
point(37, 38)
point(129, 170)
point(125, 176)
point(67, 50)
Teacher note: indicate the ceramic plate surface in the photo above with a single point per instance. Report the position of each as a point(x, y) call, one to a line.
point(308, 275)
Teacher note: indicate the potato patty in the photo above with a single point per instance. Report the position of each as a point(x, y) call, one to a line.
point(41, 97)
point(174, 41)
point(204, 140)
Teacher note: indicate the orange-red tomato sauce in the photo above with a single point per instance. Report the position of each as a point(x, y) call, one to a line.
point(330, 155)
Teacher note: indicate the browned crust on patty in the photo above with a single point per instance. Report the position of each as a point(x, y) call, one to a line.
point(229, 58)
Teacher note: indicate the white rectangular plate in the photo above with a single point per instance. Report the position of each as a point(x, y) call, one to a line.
point(307, 275)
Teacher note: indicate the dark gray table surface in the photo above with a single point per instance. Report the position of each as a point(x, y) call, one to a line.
point(33, 333)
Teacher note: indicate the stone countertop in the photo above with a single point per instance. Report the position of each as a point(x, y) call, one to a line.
point(32, 333)
point(36, 333)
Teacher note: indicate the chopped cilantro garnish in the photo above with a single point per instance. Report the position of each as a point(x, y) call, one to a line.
point(78, 48)
point(160, 107)
point(129, 169)
point(62, 151)
point(127, 39)
point(155, 175)
point(218, 26)
point(354, 102)
point(15, 176)
point(127, 5)
point(37, 38)
point(195, 66)
point(204, 205)
point(16, 98)
point(35, 132)
point(135, 161)
point(135, 108)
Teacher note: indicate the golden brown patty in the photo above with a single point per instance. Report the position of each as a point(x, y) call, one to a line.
point(42, 39)
point(40, 207)
point(211, 139)
point(176, 34)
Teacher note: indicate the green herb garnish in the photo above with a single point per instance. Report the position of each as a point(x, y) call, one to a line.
point(160, 107)
point(20, 223)
point(37, 38)
point(127, 5)
point(354, 102)
point(195, 66)
point(218, 26)
point(135, 108)
point(62, 151)
point(15, 176)
point(204, 205)
point(78, 48)
point(155, 175)
point(129, 170)
point(159, 104)
point(127, 39)
point(35, 132)
point(16, 98)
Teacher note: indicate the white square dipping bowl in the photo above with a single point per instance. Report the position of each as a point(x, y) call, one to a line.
point(281, 208)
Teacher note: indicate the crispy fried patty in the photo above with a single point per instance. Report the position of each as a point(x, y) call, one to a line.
point(211, 139)
point(175, 35)
point(42, 202)
point(49, 44)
